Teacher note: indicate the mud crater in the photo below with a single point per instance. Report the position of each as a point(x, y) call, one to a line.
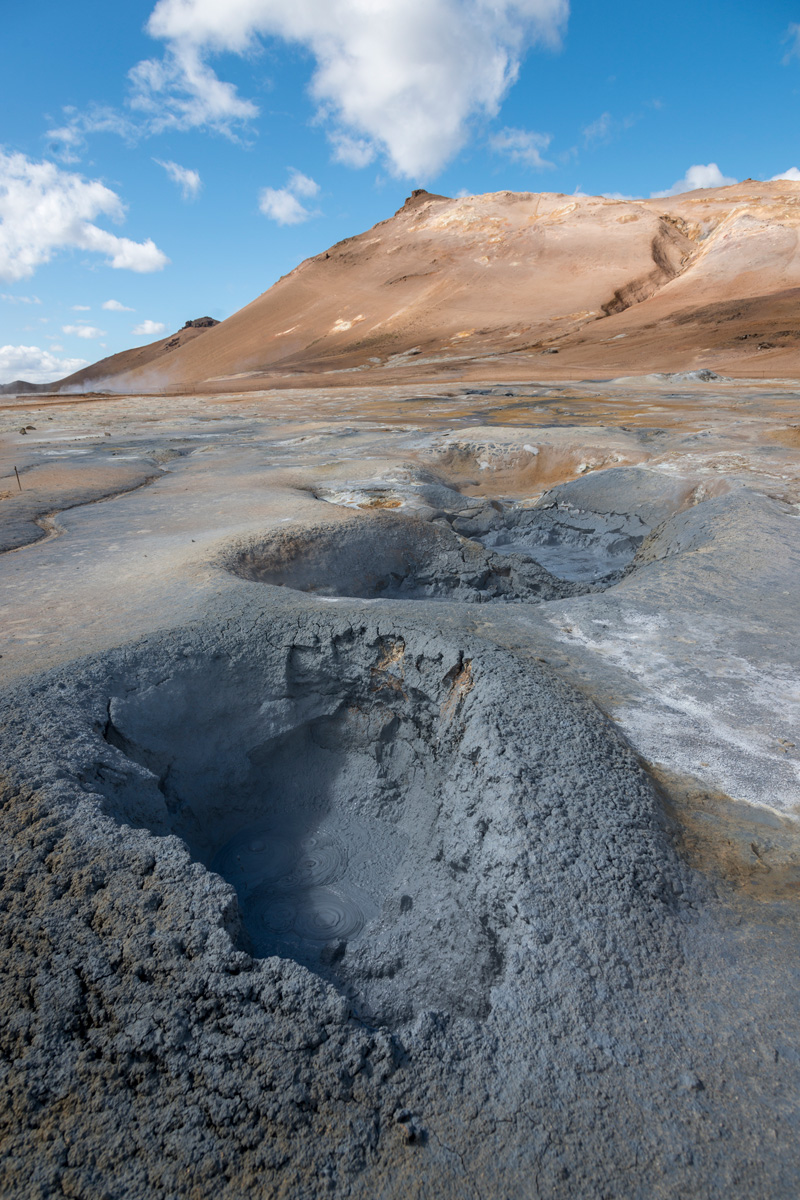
point(332, 794)
point(434, 543)
point(383, 555)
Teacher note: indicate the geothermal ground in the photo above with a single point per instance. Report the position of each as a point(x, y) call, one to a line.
point(401, 791)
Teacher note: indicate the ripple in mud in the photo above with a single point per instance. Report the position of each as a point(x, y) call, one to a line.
point(254, 854)
point(284, 892)
point(260, 854)
point(317, 915)
point(323, 859)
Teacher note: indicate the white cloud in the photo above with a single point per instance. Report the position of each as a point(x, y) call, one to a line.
point(68, 142)
point(44, 209)
point(57, 348)
point(35, 365)
point(352, 151)
point(282, 204)
point(83, 331)
point(11, 299)
point(599, 130)
point(792, 36)
point(792, 174)
point(182, 92)
point(187, 180)
point(115, 306)
point(695, 178)
point(302, 185)
point(402, 77)
point(148, 328)
point(81, 308)
point(522, 145)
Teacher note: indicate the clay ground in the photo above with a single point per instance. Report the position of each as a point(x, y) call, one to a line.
point(126, 502)
point(120, 517)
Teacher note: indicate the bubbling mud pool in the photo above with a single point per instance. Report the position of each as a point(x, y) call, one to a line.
point(296, 895)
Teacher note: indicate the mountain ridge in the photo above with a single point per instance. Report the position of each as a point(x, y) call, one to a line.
point(512, 285)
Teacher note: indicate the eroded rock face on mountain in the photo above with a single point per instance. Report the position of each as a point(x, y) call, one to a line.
point(511, 285)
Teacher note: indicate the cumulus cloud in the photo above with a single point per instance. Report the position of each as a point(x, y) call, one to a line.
point(302, 185)
point(187, 180)
point(792, 174)
point(115, 306)
point(352, 151)
point(44, 209)
point(403, 77)
point(148, 328)
point(283, 204)
point(35, 365)
point(83, 331)
point(697, 177)
point(522, 145)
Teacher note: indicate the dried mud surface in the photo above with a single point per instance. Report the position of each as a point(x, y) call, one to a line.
point(400, 795)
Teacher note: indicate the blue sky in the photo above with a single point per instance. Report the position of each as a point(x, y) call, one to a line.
point(164, 161)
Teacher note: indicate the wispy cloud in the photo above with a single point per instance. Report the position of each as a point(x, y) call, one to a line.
point(608, 127)
point(187, 180)
point(181, 91)
point(81, 308)
point(68, 142)
point(284, 205)
point(599, 130)
point(792, 39)
point(44, 209)
point(523, 146)
point(12, 299)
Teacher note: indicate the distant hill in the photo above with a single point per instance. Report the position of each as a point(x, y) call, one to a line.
point(514, 285)
point(103, 375)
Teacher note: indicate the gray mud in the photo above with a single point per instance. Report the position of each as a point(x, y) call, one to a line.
point(590, 530)
point(301, 903)
point(578, 537)
point(392, 556)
